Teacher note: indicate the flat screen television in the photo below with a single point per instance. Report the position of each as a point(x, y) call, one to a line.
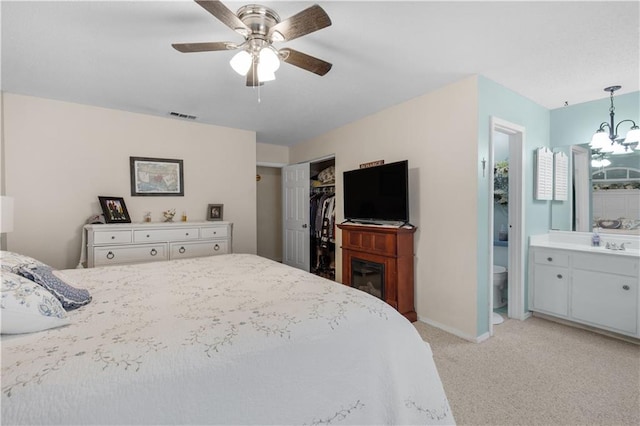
point(377, 194)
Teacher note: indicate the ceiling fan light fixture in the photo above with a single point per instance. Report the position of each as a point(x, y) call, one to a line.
point(269, 59)
point(265, 74)
point(241, 62)
point(260, 26)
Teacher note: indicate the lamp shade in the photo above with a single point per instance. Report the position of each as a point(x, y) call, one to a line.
point(617, 149)
point(600, 163)
point(600, 140)
point(633, 135)
point(6, 214)
point(269, 60)
point(241, 62)
point(265, 74)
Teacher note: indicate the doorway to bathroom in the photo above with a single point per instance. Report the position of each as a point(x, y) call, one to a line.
point(500, 265)
point(506, 223)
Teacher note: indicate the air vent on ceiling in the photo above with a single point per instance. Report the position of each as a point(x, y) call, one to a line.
point(181, 115)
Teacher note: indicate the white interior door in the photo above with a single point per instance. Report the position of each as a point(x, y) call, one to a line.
point(295, 200)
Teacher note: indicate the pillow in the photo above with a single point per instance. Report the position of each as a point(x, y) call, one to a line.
point(26, 307)
point(69, 296)
point(11, 262)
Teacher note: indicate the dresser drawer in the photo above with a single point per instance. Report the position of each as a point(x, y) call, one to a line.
point(154, 235)
point(551, 257)
point(217, 232)
point(198, 249)
point(130, 254)
point(111, 237)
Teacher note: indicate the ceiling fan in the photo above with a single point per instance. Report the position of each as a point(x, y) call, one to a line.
point(260, 26)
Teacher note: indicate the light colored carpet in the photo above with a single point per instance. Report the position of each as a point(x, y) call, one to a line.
point(538, 372)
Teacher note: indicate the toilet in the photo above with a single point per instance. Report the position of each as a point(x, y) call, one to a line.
point(499, 286)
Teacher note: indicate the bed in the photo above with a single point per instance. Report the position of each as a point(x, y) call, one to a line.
point(229, 339)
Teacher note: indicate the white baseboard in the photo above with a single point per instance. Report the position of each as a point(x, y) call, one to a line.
point(454, 331)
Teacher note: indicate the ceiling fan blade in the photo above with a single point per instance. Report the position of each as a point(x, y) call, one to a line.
point(203, 47)
point(302, 23)
point(304, 61)
point(252, 77)
point(224, 15)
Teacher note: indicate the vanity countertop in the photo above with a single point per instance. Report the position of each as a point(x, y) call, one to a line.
point(581, 241)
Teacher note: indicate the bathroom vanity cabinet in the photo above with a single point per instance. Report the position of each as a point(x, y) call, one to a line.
point(590, 286)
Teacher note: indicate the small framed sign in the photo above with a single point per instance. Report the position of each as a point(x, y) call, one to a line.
point(372, 164)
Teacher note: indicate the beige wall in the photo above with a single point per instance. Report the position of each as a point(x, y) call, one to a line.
point(272, 155)
point(61, 156)
point(269, 191)
point(437, 133)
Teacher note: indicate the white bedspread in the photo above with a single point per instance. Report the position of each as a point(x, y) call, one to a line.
point(231, 339)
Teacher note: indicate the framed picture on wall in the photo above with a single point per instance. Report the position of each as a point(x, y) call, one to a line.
point(214, 211)
point(114, 209)
point(156, 177)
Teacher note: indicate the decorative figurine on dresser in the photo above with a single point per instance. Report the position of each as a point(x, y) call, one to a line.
point(115, 244)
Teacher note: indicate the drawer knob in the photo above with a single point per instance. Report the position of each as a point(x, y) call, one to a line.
point(147, 235)
point(113, 237)
point(110, 255)
point(214, 232)
point(153, 252)
point(186, 234)
point(550, 259)
point(625, 287)
point(182, 250)
point(559, 276)
point(216, 247)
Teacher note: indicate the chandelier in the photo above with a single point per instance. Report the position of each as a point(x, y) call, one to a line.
point(609, 142)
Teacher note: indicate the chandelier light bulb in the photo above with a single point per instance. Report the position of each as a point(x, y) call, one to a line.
point(241, 62)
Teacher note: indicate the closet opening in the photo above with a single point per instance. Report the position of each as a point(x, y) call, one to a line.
point(322, 223)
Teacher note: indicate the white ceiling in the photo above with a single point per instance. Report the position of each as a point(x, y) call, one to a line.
point(118, 54)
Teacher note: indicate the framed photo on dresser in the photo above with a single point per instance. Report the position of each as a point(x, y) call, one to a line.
point(214, 211)
point(114, 209)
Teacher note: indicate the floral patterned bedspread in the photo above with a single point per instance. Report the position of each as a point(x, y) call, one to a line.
point(231, 339)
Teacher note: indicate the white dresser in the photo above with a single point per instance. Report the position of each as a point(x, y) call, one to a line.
point(115, 244)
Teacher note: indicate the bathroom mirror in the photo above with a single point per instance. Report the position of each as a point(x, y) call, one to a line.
point(606, 196)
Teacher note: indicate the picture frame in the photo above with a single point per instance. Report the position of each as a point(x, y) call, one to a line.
point(214, 211)
point(156, 177)
point(114, 209)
